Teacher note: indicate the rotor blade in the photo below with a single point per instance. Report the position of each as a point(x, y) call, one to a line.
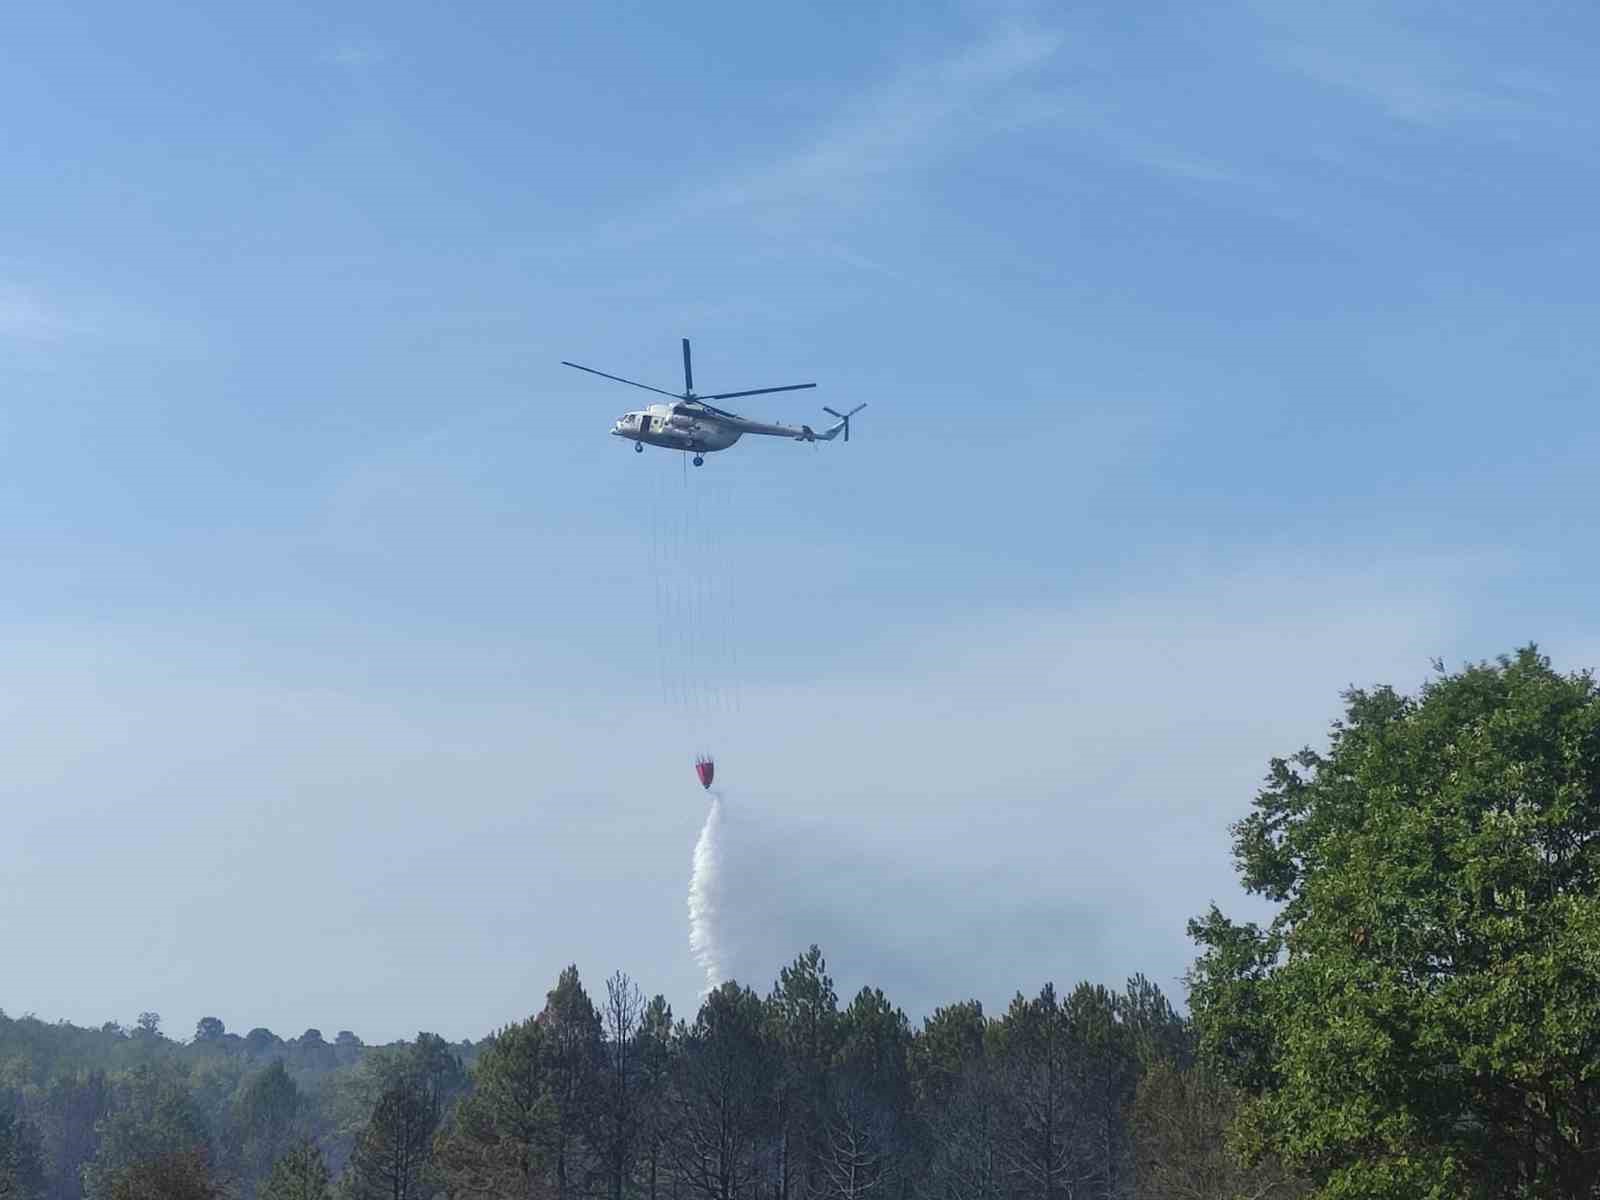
point(793, 387)
point(688, 373)
point(620, 379)
point(832, 412)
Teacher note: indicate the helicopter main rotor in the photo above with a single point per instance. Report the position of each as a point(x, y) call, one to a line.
point(688, 395)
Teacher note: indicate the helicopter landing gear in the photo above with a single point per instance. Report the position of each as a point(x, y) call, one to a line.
point(638, 447)
point(699, 460)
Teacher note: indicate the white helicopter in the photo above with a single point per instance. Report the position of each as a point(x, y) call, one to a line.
point(689, 423)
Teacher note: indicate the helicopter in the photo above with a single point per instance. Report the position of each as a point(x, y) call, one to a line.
point(689, 423)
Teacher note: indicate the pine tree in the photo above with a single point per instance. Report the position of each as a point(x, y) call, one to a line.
point(804, 1012)
point(392, 1154)
point(300, 1174)
point(573, 1050)
point(726, 1088)
point(619, 1115)
point(501, 1138)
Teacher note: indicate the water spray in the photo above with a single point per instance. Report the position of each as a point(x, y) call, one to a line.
point(705, 896)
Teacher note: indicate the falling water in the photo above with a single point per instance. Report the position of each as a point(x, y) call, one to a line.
point(705, 893)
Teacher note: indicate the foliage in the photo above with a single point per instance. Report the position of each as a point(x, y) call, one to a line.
point(22, 1174)
point(155, 1121)
point(725, 1089)
point(620, 1107)
point(392, 1155)
point(169, 1175)
point(70, 1113)
point(1422, 1016)
point(300, 1174)
point(869, 1118)
point(502, 1135)
point(209, 1029)
point(1042, 1137)
point(573, 1052)
point(657, 1049)
point(263, 1121)
point(1181, 1120)
point(803, 1017)
point(957, 1093)
point(786, 1098)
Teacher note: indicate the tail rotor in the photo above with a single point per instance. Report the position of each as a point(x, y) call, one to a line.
point(844, 420)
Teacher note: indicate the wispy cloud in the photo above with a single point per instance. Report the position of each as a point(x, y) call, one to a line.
point(1417, 78)
point(1000, 85)
point(924, 112)
point(920, 114)
point(1420, 93)
point(1124, 138)
point(915, 119)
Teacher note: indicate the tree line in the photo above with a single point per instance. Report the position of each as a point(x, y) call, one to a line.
point(791, 1096)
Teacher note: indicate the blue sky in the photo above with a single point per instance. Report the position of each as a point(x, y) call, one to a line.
point(1216, 360)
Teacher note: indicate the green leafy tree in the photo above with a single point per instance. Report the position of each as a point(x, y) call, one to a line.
point(1422, 1016)
point(264, 1120)
point(215, 1078)
point(21, 1160)
point(300, 1174)
point(260, 1040)
point(501, 1137)
point(428, 1064)
point(70, 1119)
point(209, 1029)
point(155, 1127)
point(309, 1052)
